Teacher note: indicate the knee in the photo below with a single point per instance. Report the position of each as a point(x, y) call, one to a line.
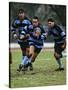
point(24, 53)
point(33, 59)
point(31, 54)
point(56, 55)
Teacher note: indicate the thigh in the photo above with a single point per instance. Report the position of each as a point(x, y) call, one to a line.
point(31, 49)
point(37, 50)
point(35, 53)
point(58, 50)
point(34, 57)
point(24, 47)
point(27, 51)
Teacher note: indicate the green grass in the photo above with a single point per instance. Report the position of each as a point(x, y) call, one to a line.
point(44, 73)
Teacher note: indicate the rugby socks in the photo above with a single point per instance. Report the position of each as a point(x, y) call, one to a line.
point(27, 60)
point(23, 56)
point(30, 59)
point(59, 62)
point(24, 60)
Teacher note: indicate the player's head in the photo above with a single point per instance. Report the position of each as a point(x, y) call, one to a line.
point(21, 14)
point(37, 31)
point(51, 22)
point(35, 21)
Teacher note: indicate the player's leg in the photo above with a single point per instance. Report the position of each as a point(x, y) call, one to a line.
point(30, 56)
point(33, 53)
point(37, 51)
point(34, 57)
point(23, 50)
point(58, 56)
point(26, 60)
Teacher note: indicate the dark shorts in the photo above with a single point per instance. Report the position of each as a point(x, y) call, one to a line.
point(58, 48)
point(24, 44)
point(37, 50)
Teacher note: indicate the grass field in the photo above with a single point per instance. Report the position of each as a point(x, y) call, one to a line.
point(44, 73)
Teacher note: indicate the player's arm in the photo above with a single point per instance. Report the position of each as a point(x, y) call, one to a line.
point(24, 35)
point(13, 29)
point(44, 34)
point(63, 35)
point(64, 38)
point(28, 29)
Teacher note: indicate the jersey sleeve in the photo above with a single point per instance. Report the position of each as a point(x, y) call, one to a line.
point(43, 33)
point(61, 32)
point(29, 28)
point(13, 28)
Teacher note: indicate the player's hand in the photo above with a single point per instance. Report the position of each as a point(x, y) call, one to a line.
point(44, 36)
point(22, 36)
point(15, 36)
point(63, 46)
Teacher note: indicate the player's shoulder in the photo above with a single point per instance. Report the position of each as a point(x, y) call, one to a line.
point(57, 27)
point(41, 27)
point(27, 20)
point(16, 20)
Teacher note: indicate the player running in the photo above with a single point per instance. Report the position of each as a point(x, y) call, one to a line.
point(59, 39)
point(35, 40)
point(21, 32)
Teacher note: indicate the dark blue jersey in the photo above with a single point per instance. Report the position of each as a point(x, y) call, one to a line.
point(34, 29)
point(58, 34)
point(21, 27)
point(34, 40)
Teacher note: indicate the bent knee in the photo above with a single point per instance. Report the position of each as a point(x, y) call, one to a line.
point(33, 58)
point(56, 55)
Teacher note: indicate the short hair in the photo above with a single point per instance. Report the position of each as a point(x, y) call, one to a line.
point(21, 11)
point(51, 19)
point(35, 17)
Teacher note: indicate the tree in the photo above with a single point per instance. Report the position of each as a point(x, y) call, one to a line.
point(61, 13)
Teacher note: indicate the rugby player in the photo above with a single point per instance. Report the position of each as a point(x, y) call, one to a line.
point(21, 33)
point(35, 40)
point(59, 40)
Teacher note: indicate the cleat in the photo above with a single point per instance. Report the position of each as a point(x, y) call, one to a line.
point(60, 69)
point(30, 67)
point(20, 68)
point(25, 68)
